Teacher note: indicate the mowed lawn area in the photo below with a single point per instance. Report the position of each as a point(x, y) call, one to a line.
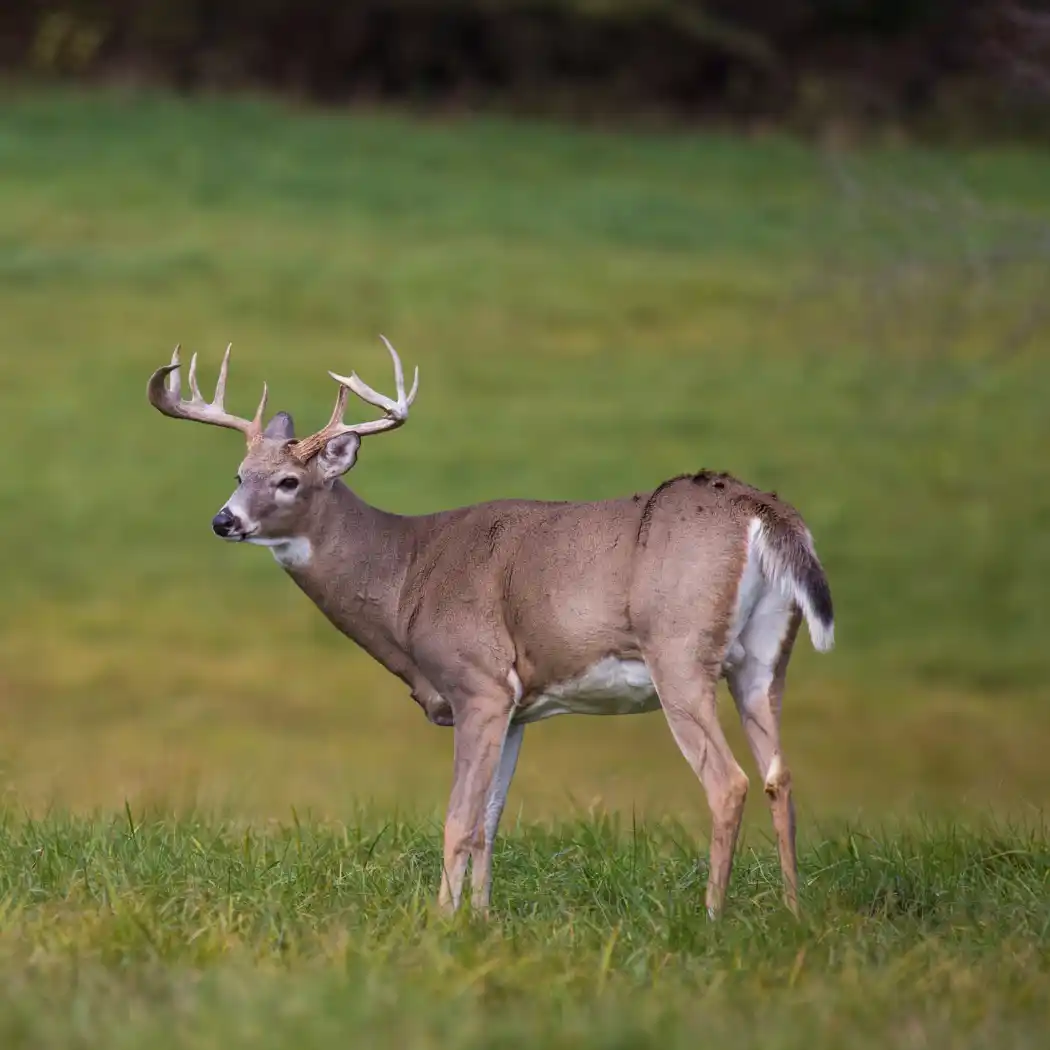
point(223, 818)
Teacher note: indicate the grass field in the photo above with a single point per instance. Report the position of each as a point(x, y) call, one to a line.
point(864, 331)
point(149, 932)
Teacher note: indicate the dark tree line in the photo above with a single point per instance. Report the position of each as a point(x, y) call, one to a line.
point(728, 58)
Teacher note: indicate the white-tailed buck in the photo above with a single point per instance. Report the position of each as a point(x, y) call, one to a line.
point(503, 613)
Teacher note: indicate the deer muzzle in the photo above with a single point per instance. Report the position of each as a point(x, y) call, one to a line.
point(228, 526)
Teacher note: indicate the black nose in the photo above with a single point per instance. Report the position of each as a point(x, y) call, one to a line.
point(223, 522)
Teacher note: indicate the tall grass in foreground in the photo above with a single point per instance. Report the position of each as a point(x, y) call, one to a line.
point(140, 930)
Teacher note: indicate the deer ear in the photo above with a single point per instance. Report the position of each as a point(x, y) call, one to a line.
point(280, 427)
point(338, 456)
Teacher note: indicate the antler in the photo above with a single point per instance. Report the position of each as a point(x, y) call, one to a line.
point(396, 409)
point(168, 399)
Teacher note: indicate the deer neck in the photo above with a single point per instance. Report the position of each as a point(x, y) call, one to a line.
point(351, 560)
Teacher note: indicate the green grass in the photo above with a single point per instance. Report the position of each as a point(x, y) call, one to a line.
point(864, 332)
point(142, 931)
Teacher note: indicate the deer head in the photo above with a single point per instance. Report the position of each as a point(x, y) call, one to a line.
point(280, 478)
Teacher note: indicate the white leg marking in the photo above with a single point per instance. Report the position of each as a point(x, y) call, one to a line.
point(776, 767)
point(751, 679)
point(508, 761)
point(515, 683)
point(761, 639)
point(748, 591)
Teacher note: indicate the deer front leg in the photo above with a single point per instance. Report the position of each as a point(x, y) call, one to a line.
point(481, 855)
point(479, 733)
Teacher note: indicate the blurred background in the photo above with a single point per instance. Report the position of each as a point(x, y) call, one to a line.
point(804, 242)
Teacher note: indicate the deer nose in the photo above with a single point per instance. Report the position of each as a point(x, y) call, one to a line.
point(223, 522)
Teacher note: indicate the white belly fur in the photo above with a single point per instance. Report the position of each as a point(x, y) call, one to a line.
point(610, 687)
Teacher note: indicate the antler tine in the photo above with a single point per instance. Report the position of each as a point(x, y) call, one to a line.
point(399, 372)
point(175, 374)
point(341, 398)
point(195, 391)
point(220, 384)
point(256, 423)
point(399, 375)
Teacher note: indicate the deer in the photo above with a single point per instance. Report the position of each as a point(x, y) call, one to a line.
point(503, 613)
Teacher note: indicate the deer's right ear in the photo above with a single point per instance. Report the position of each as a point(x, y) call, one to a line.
point(280, 428)
point(338, 456)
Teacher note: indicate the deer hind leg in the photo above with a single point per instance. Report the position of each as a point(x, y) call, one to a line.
point(485, 834)
point(757, 686)
point(688, 696)
point(479, 733)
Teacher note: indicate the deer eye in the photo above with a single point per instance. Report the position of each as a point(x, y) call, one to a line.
point(288, 484)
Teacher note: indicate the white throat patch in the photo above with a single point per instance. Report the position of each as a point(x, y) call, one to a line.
point(294, 552)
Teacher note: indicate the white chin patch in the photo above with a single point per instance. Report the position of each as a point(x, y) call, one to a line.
point(293, 552)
